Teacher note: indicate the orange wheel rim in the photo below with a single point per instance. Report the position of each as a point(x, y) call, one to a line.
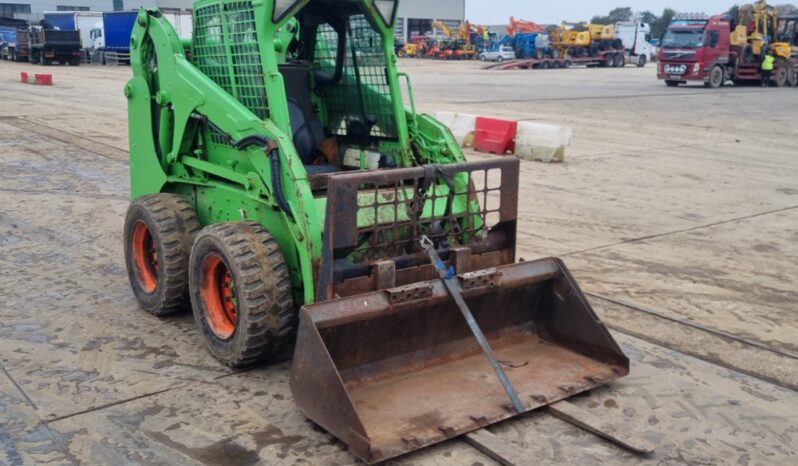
point(219, 297)
point(145, 257)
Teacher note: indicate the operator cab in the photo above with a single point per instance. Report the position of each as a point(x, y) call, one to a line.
point(339, 98)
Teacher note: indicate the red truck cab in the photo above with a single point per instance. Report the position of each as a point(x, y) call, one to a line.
point(696, 49)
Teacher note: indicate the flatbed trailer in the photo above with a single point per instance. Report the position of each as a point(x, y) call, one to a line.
point(606, 59)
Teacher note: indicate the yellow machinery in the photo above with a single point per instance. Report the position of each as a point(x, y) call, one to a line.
point(410, 50)
point(757, 24)
point(787, 36)
point(589, 39)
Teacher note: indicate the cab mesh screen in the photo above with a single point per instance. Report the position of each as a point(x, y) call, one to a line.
point(225, 48)
point(345, 100)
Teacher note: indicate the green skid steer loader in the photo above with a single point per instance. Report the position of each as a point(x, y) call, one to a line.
point(286, 193)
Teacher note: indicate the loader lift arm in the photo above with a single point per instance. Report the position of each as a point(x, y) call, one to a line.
point(177, 109)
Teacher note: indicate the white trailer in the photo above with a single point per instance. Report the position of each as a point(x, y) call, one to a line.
point(634, 35)
point(182, 22)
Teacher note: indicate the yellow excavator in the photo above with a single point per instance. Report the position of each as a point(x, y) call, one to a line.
point(757, 29)
point(583, 41)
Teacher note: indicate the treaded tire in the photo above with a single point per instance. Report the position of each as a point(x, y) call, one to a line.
point(171, 223)
point(262, 320)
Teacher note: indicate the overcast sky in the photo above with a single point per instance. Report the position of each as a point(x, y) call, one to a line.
point(499, 11)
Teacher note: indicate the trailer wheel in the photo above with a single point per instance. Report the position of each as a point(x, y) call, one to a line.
point(555, 64)
point(793, 82)
point(544, 65)
point(716, 78)
point(241, 293)
point(566, 63)
point(641, 61)
point(780, 77)
point(159, 230)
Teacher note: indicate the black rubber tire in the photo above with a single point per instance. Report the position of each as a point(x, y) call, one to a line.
point(544, 65)
point(566, 64)
point(555, 64)
point(500, 59)
point(793, 81)
point(780, 77)
point(716, 78)
point(620, 60)
point(266, 319)
point(672, 83)
point(172, 225)
point(642, 60)
point(617, 44)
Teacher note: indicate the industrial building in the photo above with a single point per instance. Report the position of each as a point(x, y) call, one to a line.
point(33, 10)
point(415, 17)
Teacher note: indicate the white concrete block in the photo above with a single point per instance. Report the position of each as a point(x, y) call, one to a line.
point(463, 126)
point(542, 142)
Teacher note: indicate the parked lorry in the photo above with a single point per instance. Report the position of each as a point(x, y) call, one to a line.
point(715, 50)
point(635, 37)
point(13, 43)
point(82, 21)
point(54, 45)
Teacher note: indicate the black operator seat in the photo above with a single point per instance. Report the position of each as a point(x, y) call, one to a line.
point(306, 126)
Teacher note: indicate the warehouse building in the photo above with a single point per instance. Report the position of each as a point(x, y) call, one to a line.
point(415, 17)
point(33, 10)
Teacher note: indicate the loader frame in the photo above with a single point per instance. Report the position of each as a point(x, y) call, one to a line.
point(193, 137)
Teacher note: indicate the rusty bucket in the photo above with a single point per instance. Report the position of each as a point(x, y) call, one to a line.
point(396, 370)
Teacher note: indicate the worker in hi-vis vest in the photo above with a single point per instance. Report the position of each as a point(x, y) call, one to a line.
point(767, 68)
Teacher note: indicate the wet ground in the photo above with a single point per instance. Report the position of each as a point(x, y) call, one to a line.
point(676, 209)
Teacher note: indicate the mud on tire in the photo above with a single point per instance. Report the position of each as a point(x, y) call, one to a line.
point(159, 231)
point(241, 293)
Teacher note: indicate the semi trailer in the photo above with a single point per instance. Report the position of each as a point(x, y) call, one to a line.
point(112, 39)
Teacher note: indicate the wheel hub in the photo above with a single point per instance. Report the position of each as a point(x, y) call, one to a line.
point(219, 297)
point(145, 256)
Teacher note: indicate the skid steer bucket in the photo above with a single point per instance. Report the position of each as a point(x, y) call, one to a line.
point(393, 357)
point(396, 370)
